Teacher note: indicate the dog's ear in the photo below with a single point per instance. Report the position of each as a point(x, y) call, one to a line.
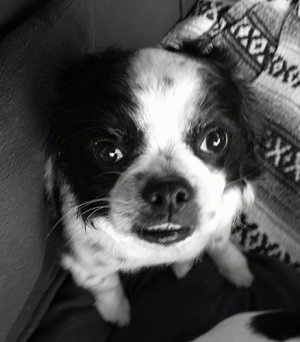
point(254, 129)
point(70, 74)
point(66, 78)
point(76, 83)
point(199, 48)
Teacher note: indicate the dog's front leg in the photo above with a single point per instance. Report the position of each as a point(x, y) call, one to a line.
point(111, 300)
point(231, 263)
point(181, 269)
point(105, 285)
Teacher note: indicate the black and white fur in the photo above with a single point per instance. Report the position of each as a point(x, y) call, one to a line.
point(151, 158)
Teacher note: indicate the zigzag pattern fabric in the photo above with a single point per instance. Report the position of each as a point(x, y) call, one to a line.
point(263, 38)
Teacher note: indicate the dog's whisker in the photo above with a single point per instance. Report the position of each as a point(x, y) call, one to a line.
point(97, 208)
point(128, 211)
point(87, 220)
point(102, 199)
point(109, 202)
point(78, 207)
point(93, 210)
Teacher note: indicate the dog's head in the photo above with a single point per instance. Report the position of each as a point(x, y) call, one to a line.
point(156, 146)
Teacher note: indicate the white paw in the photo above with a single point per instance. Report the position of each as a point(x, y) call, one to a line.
point(181, 269)
point(233, 265)
point(240, 276)
point(116, 313)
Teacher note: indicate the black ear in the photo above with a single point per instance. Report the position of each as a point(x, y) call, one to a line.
point(66, 79)
point(77, 77)
point(254, 129)
point(76, 83)
point(199, 48)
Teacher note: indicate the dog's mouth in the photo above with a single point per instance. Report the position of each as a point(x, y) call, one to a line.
point(163, 234)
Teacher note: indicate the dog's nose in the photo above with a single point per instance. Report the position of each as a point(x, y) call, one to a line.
point(167, 195)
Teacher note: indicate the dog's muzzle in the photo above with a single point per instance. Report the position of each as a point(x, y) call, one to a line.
point(167, 199)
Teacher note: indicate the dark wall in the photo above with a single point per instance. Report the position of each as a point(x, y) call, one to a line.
point(135, 23)
point(14, 12)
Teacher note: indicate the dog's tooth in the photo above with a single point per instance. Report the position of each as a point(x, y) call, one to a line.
point(174, 227)
point(169, 238)
point(164, 226)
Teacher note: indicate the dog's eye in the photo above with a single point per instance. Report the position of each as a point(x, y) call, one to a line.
point(106, 152)
point(215, 141)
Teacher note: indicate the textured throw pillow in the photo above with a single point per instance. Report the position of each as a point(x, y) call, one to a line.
point(263, 38)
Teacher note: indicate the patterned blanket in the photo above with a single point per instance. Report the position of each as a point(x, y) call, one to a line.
point(263, 37)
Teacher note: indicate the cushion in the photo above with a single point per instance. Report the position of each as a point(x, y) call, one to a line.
point(59, 32)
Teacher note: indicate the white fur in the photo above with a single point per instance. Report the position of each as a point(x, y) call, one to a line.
point(166, 111)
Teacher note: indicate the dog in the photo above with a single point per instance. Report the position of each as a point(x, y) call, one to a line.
point(151, 157)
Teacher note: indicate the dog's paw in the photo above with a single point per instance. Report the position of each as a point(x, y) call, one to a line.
point(118, 314)
point(238, 275)
point(233, 265)
point(181, 269)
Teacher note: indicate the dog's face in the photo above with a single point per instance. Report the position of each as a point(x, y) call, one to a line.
point(154, 145)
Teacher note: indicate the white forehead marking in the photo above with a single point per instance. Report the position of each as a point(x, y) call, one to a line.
point(168, 89)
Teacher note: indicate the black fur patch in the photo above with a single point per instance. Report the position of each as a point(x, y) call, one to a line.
point(94, 102)
point(231, 104)
point(277, 326)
